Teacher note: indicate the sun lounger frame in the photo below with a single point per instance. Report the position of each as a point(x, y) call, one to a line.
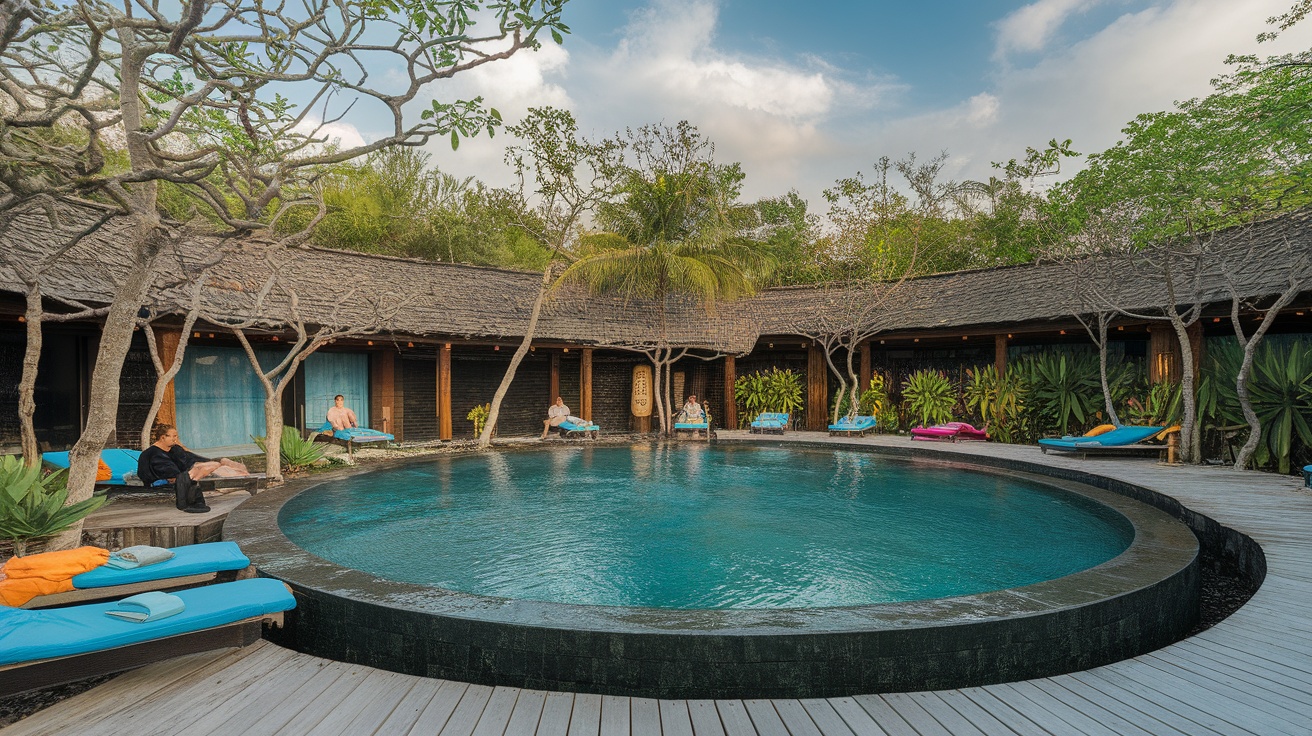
point(112, 592)
point(24, 676)
point(1090, 449)
point(579, 434)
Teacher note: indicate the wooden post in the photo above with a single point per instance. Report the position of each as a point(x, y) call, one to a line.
point(1000, 354)
point(1163, 355)
point(444, 392)
point(867, 369)
point(382, 387)
point(730, 403)
point(166, 339)
point(553, 385)
point(817, 389)
point(585, 385)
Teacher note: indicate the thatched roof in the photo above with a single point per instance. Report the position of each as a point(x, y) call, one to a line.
point(410, 297)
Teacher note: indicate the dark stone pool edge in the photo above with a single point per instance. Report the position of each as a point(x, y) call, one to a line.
point(1142, 600)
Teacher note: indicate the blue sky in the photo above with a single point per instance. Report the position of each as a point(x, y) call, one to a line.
point(804, 96)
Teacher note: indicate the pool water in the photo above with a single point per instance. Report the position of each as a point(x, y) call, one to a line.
point(698, 527)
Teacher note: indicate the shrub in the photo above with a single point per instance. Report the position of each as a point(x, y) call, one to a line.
point(1065, 390)
point(478, 415)
point(998, 402)
point(1279, 388)
point(929, 397)
point(873, 401)
point(32, 507)
point(296, 451)
point(773, 390)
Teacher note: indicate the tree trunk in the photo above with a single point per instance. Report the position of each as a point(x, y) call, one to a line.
point(1102, 369)
point(163, 379)
point(27, 382)
point(669, 386)
point(661, 413)
point(1246, 406)
point(273, 435)
point(485, 437)
point(1190, 431)
point(854, 400)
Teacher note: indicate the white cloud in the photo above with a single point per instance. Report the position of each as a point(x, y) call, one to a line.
point(339, 134)
point(1031, 27)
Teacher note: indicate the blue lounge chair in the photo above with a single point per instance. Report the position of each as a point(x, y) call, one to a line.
point(695, 430)
point(49, 647)
point(191, 565)
point(350, 436)
point(122, 464)
point(857, 425)
point(1121, 441)
point(770, 421)
point(583, 430)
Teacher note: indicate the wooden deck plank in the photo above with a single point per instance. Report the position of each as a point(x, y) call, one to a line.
point(1200, 724)
point(765, 718)
point(527, 714)
point(614, 716)
point(645, 714)
point(1026, 698)
point(1252, 662)
point(796, 718)
point(675, 719)
point(965, 707)
point(1035, 722)
point(464, 719)
point(1234, 674)
point(368, 706)
point(1181, 697)
point(1261, 710)
point(734, 717)
point(705, 718)
point(888, 719)
point(1093, 704)
point(945, 715)
point(857, 718)
point(275, 712)
point(586, 720)
point(496, 714)
point(826, 719)
point(556, 714)
point(920, 719)
point(403, 716)
point(242, 710)
point(322, 706)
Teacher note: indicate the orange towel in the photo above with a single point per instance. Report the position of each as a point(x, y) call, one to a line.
point(24, 578)
point(103, 472)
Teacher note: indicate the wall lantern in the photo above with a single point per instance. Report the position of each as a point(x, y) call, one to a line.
point(917, 339)
point(567, 350)
point(881, 342)
point(211, 334)
point(371, 342)
point(1120, 328)
point(497, 348)
point(964, 337)
point(1216, 319)
point(1063, 332)
point(1008, 335)
point(195, 334)
point(409, 344)
point(21, 318)
point(771, 346)
point(275, 338)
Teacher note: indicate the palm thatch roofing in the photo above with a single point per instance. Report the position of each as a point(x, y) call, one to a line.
point(258, 283)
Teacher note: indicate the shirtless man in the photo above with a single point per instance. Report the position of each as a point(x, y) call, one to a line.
point(339, 416)
point(556, 414)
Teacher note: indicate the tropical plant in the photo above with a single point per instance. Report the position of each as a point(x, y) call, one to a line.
point(772, 390)
point(1064, 389)
point(1161, 406)
point(296, 451)
point(1281, 391)
point(478, 415)
point(929, 397)
point(873, 401)
point(998, 402)
point(32, 507)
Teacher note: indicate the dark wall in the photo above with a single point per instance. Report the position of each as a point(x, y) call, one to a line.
point(419, 400)
point(570, 381)
point(136, 389)
point(475, 377)
point(612, 386)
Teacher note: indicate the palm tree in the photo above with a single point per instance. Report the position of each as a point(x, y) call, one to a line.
point(674, 232)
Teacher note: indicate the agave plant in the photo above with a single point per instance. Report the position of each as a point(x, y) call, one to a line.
point(32, 507)
point(296, 451)
point(998, 402)
point(1065, 389)
point(772, 390)
point(929, 397)
point(1280, 389)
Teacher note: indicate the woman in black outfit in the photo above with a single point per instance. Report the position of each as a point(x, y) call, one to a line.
point(169, 461)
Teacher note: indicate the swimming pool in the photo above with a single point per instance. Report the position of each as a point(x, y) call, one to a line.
point(697, 527)
point(775, 580)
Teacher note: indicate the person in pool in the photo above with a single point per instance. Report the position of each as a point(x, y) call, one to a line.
point(556, 414)
point(169, 460)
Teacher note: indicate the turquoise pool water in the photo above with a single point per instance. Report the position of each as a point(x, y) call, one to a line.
point(691, 526)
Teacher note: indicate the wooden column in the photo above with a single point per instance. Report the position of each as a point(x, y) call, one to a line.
point(1163, 355)
point(382, 389)
point(553, 385)
point(817, 389)
point(867, 369)
point(444, 392)
point(730, 420)
point(1000, 354)
point(166, 339)
point(585, 385)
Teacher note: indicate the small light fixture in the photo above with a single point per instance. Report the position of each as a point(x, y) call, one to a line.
point(1298, 314)
point(917, 339)
point(211, 334)
point(1008, 335)
point(567, 350)
point(771, 345)
point(275, 338)
point(881, 342)
point(803, 344)
point(1121, 328)
point(531, 350)
point(964, 337)
point(21, 318)
point(1063, 332)
point(409, 344)
point(371, 342)
point(497, 348)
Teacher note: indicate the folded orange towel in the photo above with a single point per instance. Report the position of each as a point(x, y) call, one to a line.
point(103, 471)
point(24, 578)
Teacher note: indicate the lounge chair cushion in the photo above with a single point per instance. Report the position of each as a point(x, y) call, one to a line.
point(853, 424)
point(356, 434)
point(1121, 437)
point(27, 635)
point(120, 461)
point(194, 559)
point(569, 426)
point(691, 425)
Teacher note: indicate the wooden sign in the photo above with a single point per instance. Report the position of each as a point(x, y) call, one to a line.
point(640, 404)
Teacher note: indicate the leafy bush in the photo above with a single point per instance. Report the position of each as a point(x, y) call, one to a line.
point(478, 415)
point(1065, 390)
point(998, 402)
point(1279, 387)
point(873, 402)
point(296, 451)
point(773, 390)
point(32, 507)
point(1162, 406)
point(929, 397)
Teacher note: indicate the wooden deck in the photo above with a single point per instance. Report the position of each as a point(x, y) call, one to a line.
point(1250, 674)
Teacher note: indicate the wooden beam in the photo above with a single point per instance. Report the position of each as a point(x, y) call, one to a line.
point(867, 369)
point(166, 339)
point(382, 387)
point(730, 403)
point(1000, 354)
point(817, 389)
point(444, 392)
point(553, 385)
point(585, 385)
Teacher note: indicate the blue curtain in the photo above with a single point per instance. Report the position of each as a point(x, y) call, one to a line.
point(219, 398)
point(329, 374)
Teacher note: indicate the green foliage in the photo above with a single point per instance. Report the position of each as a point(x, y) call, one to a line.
point(929, 398)
point(772, 390)
point(1162, 406)
point(872, 402)
point(1065, 390)
point(296, 451)
point(478, 415)
point(32, 507)
point(998, 402)
point(1280, 389)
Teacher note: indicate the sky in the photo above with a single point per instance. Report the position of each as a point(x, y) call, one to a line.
point(805, 94)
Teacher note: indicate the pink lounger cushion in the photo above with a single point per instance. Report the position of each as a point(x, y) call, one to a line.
point(951, 429)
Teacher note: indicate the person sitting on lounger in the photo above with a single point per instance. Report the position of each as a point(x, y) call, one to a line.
point(556, 414)
point(339, 416)
point(168, 459)
point(692, 412)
